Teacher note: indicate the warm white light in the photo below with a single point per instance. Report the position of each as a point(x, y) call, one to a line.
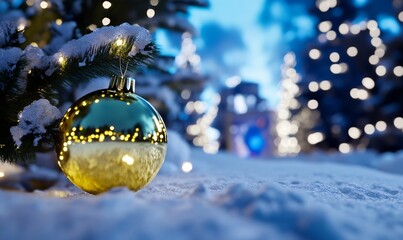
point(398, 71)
point(352, 51)
point(323, 6)
point(187, 167)
point(331, 35)
point(59, 21)
point(325, 26)
point(106, 21)
point(325, 85)
point(44, 4)
point(380, 52)
point(313, 86)
point(283, 114)
point(343, 28)
point(150, 13)
point(355, 29)
point(400, 16)
point(61, 60)
point(354, 93)
point(380, 70)
point(185, 94)
point(2, 174)
point(369, 129)
point(336, 68)
point(315, 138)
point(193, 130)
point(92, 27)
point(344, 148)
point(289, 58)
point(128, 159)
point(332, 3)
point(189, 108)
point(211, 148)
point(334, 57)
point(381, 126)
point(154, 2)
point(293, 103)
point(354, 132)
point(119, 42)
point(376, 42)
point(313, 104)
point(375, 33)
point(368, 83)
point(314, 53)
point(398, 122)
point(106, 4)
point(372, 24)
point(30, 2)
point(373, 59)
point(361, 94)
point(200, 107)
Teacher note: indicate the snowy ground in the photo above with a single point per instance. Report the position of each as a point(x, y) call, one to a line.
point(222, 198)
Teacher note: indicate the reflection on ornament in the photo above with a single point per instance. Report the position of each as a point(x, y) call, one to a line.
point(111, 138)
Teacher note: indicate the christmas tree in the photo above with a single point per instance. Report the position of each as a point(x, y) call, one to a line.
point(347, 83)
point(48, 49)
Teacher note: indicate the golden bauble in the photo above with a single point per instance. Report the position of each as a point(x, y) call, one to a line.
point(111, 138)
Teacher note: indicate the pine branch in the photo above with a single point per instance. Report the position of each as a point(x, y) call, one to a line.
point(13, 98)
point(103, 61)
point(132, 46)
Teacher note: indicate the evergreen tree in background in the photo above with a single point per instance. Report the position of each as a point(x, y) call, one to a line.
point(38, 59)
point(350, 85)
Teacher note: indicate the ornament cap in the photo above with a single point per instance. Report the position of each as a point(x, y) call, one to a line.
point(122, 84)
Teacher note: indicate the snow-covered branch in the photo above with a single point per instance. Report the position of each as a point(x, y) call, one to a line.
point(103, 52)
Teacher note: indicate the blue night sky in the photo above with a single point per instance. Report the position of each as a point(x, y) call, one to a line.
point(262, 43)
point(243, 16)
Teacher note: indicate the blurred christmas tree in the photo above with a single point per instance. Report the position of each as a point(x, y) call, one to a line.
point(347, 93)
point(44, 54)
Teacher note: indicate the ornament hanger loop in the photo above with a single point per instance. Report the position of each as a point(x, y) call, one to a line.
point(123, 73)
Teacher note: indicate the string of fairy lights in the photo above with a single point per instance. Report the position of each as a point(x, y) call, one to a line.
point(287, 125)
point(203, 133)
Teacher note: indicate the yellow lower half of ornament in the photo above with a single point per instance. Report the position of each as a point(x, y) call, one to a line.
point(98, 167)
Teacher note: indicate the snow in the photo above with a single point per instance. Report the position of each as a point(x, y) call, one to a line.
point(387, 162)
point(8, 58)
point(35, 57)
point(178, 154)
point(34, 119)
point(224, 197)
point(103, 36)
point(61, 34)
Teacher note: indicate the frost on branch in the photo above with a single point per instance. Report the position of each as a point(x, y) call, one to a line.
point(103, 37)
point(34, 119)
point(102, 52)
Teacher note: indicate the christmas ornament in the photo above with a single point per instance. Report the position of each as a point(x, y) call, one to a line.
point(111, 138)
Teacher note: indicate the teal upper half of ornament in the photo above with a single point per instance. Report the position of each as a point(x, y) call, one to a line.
point(109, 115)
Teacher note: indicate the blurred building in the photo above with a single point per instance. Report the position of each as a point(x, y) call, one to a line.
point(244, 119)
